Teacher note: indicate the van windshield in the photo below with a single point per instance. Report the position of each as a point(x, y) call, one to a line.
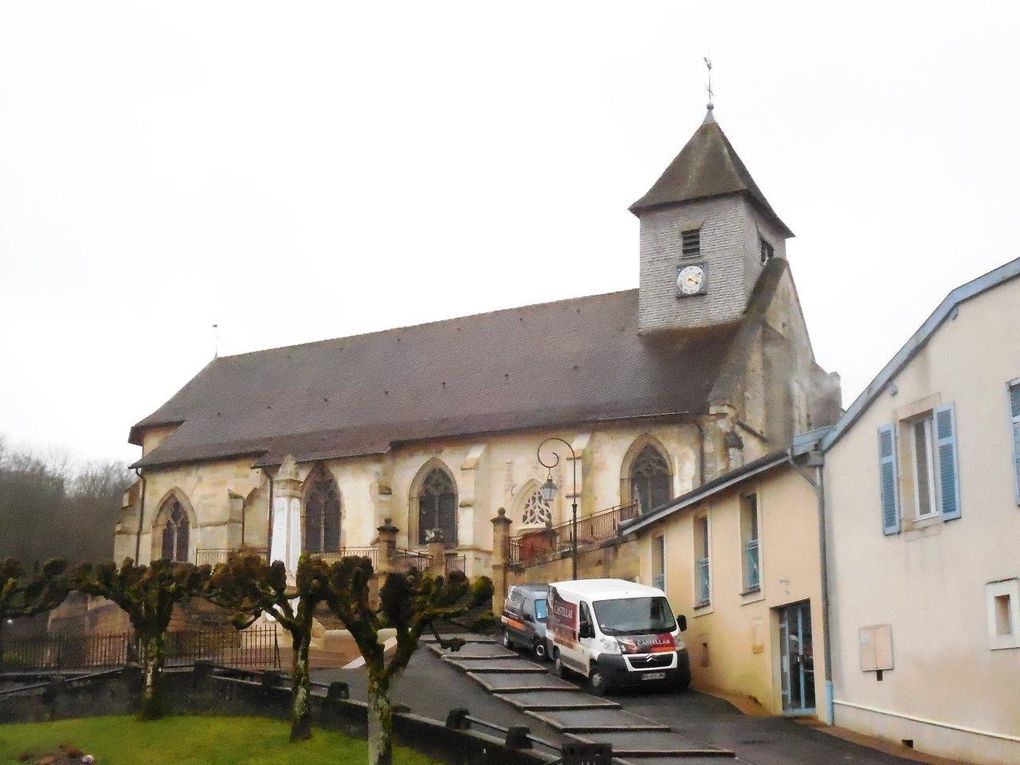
point(634, 616)
point(540, 609)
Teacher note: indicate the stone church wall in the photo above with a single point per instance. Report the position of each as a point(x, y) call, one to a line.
point(224, 499)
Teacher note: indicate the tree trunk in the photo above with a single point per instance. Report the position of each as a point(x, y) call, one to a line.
point(153, 657)
point(380, 724)
point(301, 689)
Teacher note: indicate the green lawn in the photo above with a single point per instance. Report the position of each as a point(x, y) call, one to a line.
point(188, 740)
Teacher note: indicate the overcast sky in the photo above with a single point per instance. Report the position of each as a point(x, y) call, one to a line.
point(299, 171)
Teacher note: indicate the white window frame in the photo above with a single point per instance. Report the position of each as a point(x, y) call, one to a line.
point(931, 466)
point(1014, 423)
point(750, 542)
point(705, 563)
point(659, 553)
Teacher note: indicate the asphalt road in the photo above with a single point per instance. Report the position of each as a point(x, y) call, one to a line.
point(430, 687)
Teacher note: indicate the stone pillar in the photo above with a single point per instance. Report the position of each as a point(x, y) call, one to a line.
point(437, 553)
point(385, 546)
point(500, 538)
point(285, 544)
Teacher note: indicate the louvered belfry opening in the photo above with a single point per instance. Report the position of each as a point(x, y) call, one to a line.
point(322, 516)
point(691, 243)
point(437, 507)
point(650, 479)
point(176, 533)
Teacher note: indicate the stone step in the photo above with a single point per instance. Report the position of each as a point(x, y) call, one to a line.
point(495, 665)
point(555, 700)
point(474, 651)
point(467, 637)
point(521, 682)
point(580, 721)
point(642, 744)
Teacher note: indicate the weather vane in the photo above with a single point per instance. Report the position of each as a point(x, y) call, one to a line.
point(708, 65)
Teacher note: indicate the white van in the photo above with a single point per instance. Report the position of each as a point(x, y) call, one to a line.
point(616, 633)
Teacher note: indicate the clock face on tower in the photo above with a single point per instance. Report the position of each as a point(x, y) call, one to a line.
point(691, 280)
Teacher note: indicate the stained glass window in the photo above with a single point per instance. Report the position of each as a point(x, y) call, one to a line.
point(175, 533)
point(322, 516)
point(437, 507)
point(650, 482)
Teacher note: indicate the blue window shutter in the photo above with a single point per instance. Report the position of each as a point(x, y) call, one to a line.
point(888, 479)
point(949, 462)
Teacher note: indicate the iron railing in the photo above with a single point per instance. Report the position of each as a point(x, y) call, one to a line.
point(52, 652)
point(216, 555)
point(254, 647)
point(407, 560)
point(531, 547)
point(455, 563)
point(369, 552)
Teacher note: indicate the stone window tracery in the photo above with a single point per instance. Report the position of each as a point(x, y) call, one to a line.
point(322, 516)
point(176, 531)
point(536, 511)
point(650, 480)
point(437, 507)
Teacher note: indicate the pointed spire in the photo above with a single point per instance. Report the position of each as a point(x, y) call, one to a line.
point(708, 166)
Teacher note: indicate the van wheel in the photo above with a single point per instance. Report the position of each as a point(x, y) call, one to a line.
point(539, 648)
point(597, 685)
point(508, 641)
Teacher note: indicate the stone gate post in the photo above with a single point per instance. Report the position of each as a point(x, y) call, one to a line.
point(500, 541)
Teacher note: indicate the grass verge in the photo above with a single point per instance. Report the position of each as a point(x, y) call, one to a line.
point(187, 740)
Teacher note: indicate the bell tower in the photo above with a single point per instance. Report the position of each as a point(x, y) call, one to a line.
point(707, 232)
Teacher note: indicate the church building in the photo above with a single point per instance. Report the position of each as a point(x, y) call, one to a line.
point(317, 448)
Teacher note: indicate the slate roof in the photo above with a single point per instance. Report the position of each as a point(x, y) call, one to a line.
point(708, 166)
point(563, 363)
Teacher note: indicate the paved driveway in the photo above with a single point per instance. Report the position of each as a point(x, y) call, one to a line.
point(431, 687)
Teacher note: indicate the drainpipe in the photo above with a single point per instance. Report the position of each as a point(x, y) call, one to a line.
point(818, 484)
point(141, 516)
point(269, 531)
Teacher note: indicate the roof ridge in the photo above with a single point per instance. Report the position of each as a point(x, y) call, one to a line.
point(434, 323)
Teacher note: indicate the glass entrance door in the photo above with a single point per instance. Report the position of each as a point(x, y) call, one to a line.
point(796, 655)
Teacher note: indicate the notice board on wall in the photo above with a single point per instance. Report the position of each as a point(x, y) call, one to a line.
point(876, 647)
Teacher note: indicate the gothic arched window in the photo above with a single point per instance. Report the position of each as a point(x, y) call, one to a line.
point(650, 482)
point(175, 533)
point(536, 511)
point(322, 516)
point(437, 507)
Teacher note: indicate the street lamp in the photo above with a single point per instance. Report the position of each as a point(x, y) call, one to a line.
point(548, 492)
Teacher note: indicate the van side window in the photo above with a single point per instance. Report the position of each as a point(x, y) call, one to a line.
point(585, 615)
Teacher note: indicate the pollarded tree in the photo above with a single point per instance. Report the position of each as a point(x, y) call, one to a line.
point(25, 593)
point(408, 603)
point(249, 587)
point(148, 595)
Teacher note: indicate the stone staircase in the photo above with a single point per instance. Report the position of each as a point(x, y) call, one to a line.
point(577, 715)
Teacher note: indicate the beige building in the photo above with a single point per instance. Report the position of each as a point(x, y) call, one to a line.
point(740, 557)
point(921, 493)
point(437, 426)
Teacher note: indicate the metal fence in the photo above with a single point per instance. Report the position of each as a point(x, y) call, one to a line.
point(256, 647)
point(455, 563)
point(531, 547)
point(54, 652)
point(351, 552)
point(214, 556)
point(407, 560)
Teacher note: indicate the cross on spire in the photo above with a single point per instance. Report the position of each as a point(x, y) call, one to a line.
point(708, 65)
